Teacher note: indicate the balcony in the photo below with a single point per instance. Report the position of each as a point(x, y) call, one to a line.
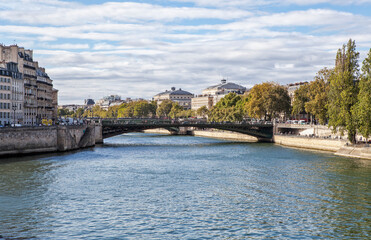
point(29, 76)
point(28, 66)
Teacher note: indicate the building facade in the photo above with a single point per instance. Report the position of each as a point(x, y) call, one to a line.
point(32, 92)
point(45, 107)
point(11, 94)
point(5, 97)
point(109, 101)
point(292, 87)
point(211, 95)
point(183, 98)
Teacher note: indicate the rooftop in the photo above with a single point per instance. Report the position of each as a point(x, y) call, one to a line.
point(225, 85)
point(173, 91)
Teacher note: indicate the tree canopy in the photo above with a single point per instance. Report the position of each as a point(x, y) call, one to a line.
point(363, 107)
point(267, 100)
point(229, 108)
point(343, 91)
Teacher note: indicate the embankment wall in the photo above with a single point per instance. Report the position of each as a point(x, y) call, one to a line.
point(309, 143)
point(225, 135)
point(27, 140)
point(337, 146)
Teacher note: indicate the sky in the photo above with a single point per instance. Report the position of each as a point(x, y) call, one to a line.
point(95, 48)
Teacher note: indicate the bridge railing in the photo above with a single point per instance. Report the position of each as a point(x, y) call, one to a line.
point(140, 121)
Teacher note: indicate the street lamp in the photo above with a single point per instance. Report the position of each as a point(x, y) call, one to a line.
point(14, 107)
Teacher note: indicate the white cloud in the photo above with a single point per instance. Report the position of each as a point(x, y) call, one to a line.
point(138, 50)
point(257, 3)
point(128, 12)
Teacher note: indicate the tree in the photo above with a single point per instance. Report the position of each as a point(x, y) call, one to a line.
point(318, 95)
point(153, 108)
point(64, 112)
point(175, 110)
point(112, 111)
point(268, 100)
point(186, 113)
point(202, 111)
point(230, 108)
point(142, 109)
point(79, 112)
point(343, 91)
point(97, 111)
point(126, 110)
point(300, 99)
point(164, 108)
point(363, 107)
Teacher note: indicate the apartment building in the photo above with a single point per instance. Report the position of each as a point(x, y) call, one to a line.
point(11, 94)
point(32, 92)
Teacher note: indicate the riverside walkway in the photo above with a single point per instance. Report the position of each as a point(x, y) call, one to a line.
point(112, 127)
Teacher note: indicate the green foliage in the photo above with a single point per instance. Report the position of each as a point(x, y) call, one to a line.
point(268, 100)
point(202, 111)
point(318, 95)
point(363, 107)
point(79, 113)
point(112, 111)
point(312, 98)
point(230, 108)
point(186, 114)
point(126, 110)
point(164, 108)
point(176, 109)
point(64, 112)
point(343, 91)
point(143, 109)
point(300, 99)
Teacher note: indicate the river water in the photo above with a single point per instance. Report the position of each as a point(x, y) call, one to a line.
point(148, 186)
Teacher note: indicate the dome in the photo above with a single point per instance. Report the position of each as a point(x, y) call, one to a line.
point(225, 85)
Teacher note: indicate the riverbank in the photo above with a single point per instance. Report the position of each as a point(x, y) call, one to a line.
point(329, 145)
point(44, 139)
point(336, 146)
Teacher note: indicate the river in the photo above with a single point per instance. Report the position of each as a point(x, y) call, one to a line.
point(148, 186)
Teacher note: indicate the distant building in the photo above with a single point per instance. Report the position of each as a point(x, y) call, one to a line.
point(112, 98)
point(183, 98)
point(72, 107)
point(292, 87)
point(89, 102)
point(211, 95)
point(108, 101)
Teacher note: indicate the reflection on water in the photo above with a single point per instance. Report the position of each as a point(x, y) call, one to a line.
point(142, 186)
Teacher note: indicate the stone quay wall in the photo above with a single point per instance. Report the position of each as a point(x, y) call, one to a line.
point(337, 146)
point(28, 140)
point(225, 135)
point(330, 145)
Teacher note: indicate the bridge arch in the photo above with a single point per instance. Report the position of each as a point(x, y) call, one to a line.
point(114, 127)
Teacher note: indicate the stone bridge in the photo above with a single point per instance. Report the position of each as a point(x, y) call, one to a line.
point(112, 127)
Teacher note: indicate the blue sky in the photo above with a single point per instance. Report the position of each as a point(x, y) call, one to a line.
point(139, 48)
